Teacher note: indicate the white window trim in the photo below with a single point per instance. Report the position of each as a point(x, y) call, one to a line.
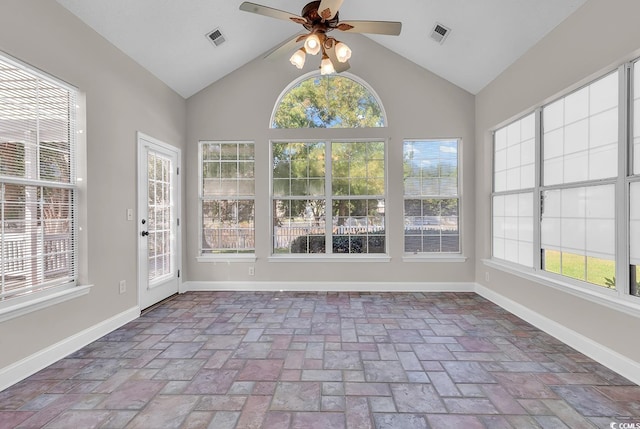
point(19, 306)
point(331, 257)
point(611, 299)
point(434, 257)
point(227, 258)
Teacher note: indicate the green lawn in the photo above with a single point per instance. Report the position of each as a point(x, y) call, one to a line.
point(585, 268)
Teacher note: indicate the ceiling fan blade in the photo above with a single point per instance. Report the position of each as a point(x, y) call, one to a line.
point(337, 65)
point(269, 11)
point(329, 8)
point(391, 28)
point(283, 49)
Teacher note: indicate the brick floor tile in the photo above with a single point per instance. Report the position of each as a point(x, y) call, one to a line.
point(306, 360)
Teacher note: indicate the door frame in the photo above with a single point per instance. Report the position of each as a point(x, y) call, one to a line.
point(144, 140)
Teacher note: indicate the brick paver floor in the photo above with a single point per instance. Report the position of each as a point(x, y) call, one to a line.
point(290, 360)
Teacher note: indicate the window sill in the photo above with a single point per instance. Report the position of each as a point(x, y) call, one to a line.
point(607, 298)
point(438, 258)
point(20, 306)
point(215, 259)
point(330, 258)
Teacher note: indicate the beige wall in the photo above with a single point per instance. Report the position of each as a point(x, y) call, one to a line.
point(121, 98)
point(576, 51)
point(418, 105)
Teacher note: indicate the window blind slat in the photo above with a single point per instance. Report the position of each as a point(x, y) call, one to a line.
point(37, 181)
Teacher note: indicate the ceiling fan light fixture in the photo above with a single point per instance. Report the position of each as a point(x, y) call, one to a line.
point(319, 17)
point(343, 52)
point(312, 44)
point(298, 57)
point(326, 66)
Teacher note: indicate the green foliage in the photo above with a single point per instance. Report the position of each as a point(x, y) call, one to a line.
point(315, 243)
point(308, 244)
point(357, 168)
point(299, 171)
point(328, 102)
point(611, 284)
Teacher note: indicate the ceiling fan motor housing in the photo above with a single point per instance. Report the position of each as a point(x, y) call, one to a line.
point(315, 21)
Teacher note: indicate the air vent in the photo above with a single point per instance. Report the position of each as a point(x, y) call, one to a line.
point(216, 37)
point(439, 33)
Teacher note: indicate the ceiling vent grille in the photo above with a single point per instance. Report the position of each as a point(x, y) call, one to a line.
point(216, 37)
point(439, 33)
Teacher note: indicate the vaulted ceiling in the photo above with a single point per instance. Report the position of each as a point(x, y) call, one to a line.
point(168, 37)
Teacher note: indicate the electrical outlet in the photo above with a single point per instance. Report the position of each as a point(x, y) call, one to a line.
point(123, 286)
point(252, 271)
point(486, 276)
point(129, 214)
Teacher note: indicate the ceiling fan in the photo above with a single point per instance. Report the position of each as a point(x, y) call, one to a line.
point(319, 18)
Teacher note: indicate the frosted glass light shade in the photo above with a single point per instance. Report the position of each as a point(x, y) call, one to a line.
point(326, 67)
point(343, 52)
point(297, 59)
point(312, 44)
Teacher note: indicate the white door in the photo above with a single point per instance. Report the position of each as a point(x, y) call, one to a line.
point(158, 220)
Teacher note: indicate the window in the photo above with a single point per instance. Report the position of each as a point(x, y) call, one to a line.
point(514, 179)
point(636, 118)
point(329, 101)
point(227, 198)
point(431, 200)
point(38, 189)
point(580, 134)
point(578, 233)
point(580, 145)
point(634, 239)
point(634, 189)
point(566, 222)
point(328, 197)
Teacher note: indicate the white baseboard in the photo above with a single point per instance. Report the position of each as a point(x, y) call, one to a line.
point(331, 286)
point(611, 359)
point(31, 364)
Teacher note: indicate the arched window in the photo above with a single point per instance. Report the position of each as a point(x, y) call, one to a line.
point(328, 195)
point(330, 101)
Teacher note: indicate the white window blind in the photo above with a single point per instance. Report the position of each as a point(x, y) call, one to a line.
point(636, 118)
point(37, 180)
point(514, 155)
point(431, 197)
point(513, 183)
point(580, 135)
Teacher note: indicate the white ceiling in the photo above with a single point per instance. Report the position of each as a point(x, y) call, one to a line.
point(167, 37)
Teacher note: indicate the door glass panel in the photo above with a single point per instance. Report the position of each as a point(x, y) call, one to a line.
point(160, 211)
point(636, 118)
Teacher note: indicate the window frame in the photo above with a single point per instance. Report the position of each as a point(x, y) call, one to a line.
point(619, 298)
point(328, 197)
point(38, 298)
point(440, 256)
point(222, 257)
point(632, 175)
